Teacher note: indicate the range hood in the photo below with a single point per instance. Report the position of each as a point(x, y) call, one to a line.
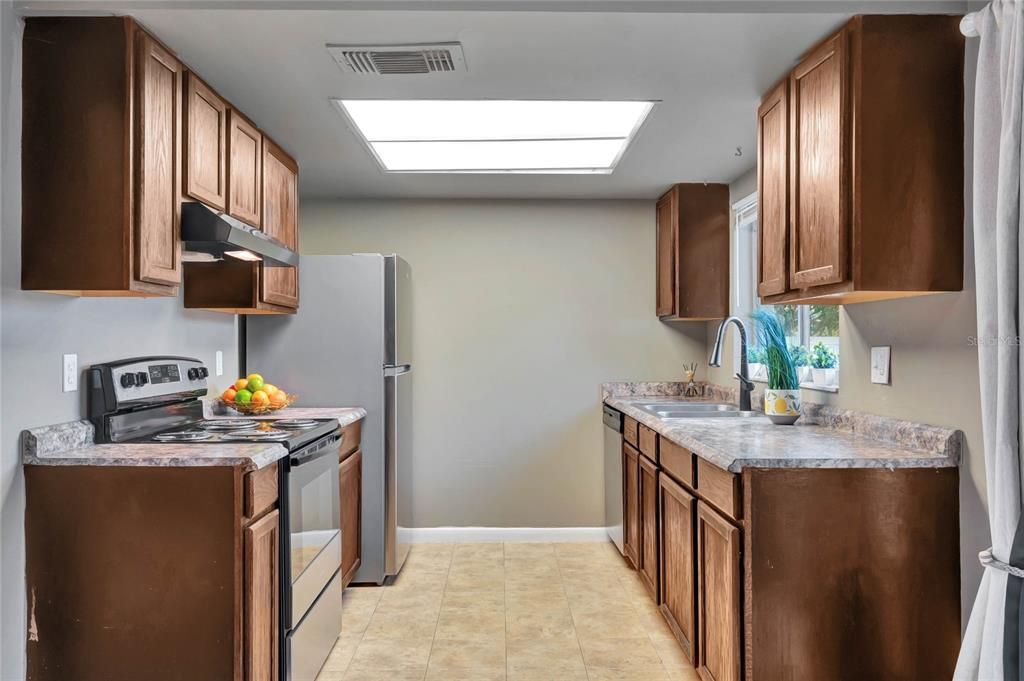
point(207, 235)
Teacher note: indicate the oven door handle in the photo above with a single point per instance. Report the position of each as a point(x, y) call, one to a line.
point(316, 451)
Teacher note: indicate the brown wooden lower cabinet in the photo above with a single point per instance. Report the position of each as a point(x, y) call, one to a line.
point(262, 569)
point(150, 573)
point(678, 595)
point(719, 602)
point(631, 504)
point(351, 478)
point(778, 573)
point(648, 505)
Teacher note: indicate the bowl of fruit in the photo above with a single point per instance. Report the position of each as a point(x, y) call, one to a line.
point(253, 395)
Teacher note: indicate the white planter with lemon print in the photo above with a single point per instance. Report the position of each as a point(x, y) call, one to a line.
point(782, 406)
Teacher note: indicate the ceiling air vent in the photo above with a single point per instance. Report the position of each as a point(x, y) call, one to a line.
point(404, 60)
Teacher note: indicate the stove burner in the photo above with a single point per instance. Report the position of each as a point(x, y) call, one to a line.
point(296, 424)
point(228, 424)
point(183, 436)
point(269, 434)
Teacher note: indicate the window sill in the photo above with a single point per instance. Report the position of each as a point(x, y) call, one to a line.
point(820, 388)
point(807, 385)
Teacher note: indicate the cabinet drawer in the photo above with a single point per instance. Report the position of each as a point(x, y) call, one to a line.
point(648, 440)
point(629, 431)
point(720, 488)
point(676, 461)
point(260, 491)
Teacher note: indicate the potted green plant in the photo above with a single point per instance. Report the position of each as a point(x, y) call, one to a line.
point(802, 361)
point(823, 364)
point(782, 397)
point(755, 363)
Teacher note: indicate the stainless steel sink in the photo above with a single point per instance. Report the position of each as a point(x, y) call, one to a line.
point(692, 410)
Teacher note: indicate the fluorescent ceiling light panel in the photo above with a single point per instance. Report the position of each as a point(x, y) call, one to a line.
point(496, 136)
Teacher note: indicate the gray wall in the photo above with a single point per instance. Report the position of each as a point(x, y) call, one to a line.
point(521, 309)
point(934, 368)
point(37, 328)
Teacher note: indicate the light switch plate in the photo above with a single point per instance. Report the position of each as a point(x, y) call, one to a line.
point(220, 363)
point(70, 373)
point(881, 359)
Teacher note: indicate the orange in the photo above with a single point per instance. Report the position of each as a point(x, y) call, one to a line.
point(279, 398)
point(269, 388)
point(242, 384)
point(229, 395)
point(260, 398)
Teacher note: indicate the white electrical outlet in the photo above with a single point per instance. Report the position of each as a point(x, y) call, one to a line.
point(70, 373)
point(881, 359)
point(220, 363)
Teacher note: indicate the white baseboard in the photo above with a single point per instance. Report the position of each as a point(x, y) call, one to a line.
point(451, 535)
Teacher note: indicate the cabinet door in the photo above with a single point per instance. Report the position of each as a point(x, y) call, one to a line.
point(719, 605)
point(351, 515)
point(206, 128)
point(245, 170)
point(261, 599)
point(818, 167)
point(773, 191)
point(280, 285)
point(157, 141)
point(678, 595)
point(631, 504)
point(666, 215)
point(648, 504)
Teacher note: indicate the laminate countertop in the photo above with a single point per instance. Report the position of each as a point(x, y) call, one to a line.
point(72, 444)
point(824, 437)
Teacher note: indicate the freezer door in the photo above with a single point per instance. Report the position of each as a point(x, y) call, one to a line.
point(397, 455)
point(397, 311)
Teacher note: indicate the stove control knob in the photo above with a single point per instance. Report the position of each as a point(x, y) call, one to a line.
point(193, 374)
point(203, 372)
point(127, 380)
point(141, 378)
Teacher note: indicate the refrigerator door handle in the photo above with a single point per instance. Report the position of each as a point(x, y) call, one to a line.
point(397, 369)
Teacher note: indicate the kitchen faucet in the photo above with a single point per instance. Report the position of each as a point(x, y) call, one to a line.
point(746, 385)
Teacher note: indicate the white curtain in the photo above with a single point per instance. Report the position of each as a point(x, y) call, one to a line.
point(990, 648)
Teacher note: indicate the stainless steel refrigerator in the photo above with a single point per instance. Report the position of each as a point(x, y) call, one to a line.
point(349, 345)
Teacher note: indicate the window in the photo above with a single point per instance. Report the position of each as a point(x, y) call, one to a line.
point(811, 330)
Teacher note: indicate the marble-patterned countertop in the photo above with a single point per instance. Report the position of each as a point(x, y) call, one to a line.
point(72, 444)
point(824, 437)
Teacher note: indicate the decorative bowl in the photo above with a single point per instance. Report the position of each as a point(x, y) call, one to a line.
point(251, 409)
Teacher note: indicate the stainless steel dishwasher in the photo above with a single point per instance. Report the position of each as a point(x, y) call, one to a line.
point(613, 475)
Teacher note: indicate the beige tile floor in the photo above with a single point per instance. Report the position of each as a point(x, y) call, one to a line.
point(506, 612)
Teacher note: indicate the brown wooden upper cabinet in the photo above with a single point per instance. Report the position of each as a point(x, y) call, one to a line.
point(773, 191)
point(693, 252)
point(101, 159)
point(281, 221)
point(253, 288)
point(245, 170)
point(206, 143)
point(860, 166)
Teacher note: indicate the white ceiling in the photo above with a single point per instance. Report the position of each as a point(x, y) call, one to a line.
point(706, 63)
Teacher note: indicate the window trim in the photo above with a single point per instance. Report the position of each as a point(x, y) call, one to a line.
point(746, 227)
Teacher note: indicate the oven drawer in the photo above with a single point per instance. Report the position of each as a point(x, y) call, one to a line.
point(309, 575)
point(311, 642)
